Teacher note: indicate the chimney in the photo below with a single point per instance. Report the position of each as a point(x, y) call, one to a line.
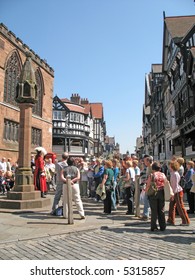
point(75, 98)
point(84, 101)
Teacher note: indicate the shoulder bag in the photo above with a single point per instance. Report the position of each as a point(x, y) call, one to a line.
point(153, 188)
point(168, 190)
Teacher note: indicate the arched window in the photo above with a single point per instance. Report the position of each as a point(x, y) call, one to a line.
point(12, 75)
point(37, 108)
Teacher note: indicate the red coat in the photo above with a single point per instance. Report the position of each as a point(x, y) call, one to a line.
point(39, 180)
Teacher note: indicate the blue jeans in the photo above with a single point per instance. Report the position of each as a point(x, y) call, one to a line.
point(146, 206)
point(113, 196)
point(58, 194)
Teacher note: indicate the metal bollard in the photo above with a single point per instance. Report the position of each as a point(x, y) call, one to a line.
point(137, 196)
point(67, 201)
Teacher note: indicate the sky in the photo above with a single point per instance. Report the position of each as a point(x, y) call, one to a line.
point(100, 49)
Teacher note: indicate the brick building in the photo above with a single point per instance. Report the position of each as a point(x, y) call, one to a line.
point(12, 57)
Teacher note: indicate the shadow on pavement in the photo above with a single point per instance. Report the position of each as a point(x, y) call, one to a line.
point(173, 235)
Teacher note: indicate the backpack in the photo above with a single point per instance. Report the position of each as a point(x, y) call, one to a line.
point(59, 211)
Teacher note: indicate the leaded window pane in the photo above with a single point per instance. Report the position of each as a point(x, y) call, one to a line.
point(37, 108)
point(12, 74)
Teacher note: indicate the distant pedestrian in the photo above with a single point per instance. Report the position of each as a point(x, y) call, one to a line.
point(91, 183)
point(3, 164)
point(181, 170)
point(98, 175)
point(83, 183)
point(50, 166)
point(147, 170)
point(32, 163)
point(9, 180)
point(2, 182)
point(9, 164)
point(115, 193)
point(188, 185)
point(136, 167)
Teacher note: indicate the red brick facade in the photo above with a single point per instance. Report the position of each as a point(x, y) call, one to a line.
point(9, 44)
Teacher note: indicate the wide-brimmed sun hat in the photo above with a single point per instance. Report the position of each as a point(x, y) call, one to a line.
point(41, 149)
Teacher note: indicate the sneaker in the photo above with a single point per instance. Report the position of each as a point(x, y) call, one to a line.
point(144, 218)
point(170, 223)
point(82, 217)
point(190, 211)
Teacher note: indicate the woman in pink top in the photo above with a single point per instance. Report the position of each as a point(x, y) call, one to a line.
point(157, 201)
point(177, 199)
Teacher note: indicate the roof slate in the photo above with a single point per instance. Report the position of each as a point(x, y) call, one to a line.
point(95, 108)
point(179, 26)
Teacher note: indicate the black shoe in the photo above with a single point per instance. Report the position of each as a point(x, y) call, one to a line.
point(154, 229)
point(144, 218)
point(190, 211)
point(129, 213)
point(124, 203)
point(42, 195)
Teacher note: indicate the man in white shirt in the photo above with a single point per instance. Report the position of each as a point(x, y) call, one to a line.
point(3, 164)
point(59, 183)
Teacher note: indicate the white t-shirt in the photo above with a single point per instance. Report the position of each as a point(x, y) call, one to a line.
point(131, 172)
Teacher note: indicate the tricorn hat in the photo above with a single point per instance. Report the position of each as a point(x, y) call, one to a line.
point(41, 149)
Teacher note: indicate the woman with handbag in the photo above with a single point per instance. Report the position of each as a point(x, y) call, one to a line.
point(107, 181)
point(156, 200)
point(177, 199)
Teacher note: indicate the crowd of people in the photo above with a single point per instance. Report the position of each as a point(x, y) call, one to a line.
point(114, 178)
point(7, 175)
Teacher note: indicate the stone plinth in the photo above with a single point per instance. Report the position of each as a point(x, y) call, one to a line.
point(23, 195)
point(24, 204)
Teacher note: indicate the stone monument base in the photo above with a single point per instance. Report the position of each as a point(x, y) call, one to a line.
point(23, 195)
point(24, 200)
